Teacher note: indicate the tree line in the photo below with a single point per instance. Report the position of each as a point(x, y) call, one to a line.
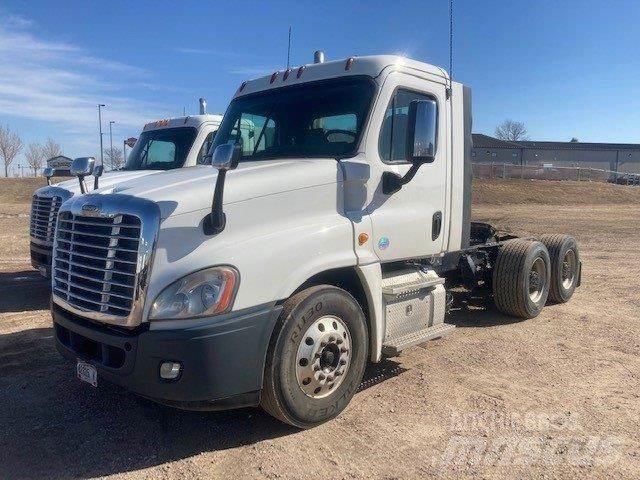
point(36, 154)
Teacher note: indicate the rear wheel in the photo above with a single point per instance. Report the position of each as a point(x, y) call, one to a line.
point(316, 358)
point(565, 266)
point(521, 277)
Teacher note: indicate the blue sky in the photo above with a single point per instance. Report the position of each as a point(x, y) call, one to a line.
point(566, 69)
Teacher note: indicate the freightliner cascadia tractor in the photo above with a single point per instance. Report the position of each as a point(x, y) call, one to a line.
point(271, 277)
point(162, 145)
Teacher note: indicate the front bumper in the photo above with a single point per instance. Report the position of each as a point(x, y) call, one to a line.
point(41, 258)
point(222, 357)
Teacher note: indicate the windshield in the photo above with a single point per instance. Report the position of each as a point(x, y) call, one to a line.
point(161, 149)
point(319, 119)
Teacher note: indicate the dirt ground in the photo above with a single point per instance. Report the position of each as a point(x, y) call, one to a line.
point(553, 397)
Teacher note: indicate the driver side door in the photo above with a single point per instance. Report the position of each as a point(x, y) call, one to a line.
point(410, 222)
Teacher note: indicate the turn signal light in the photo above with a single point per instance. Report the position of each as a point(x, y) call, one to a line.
point(362, 238)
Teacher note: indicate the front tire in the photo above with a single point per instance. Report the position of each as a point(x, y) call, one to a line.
point(316, 358)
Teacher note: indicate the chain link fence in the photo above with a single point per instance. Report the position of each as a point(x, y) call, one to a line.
point(539, 172)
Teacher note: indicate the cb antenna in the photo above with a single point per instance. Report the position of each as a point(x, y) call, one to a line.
point(289, 48)
point(450, 41)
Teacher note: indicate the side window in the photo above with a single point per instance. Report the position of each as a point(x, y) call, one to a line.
point(393, 134)
point(205, 147)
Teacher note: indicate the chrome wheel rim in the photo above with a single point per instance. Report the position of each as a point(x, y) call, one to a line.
point(323, 357)
point(537, 280)
point(569, 264)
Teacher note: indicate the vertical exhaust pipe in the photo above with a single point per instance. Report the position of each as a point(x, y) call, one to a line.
point(318, 56)
point(203, 106)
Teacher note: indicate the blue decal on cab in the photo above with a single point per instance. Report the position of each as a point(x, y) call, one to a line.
point(383, 243)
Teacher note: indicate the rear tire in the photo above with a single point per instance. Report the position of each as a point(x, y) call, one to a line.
point(565, 266)
point(316, 358)
point(521, 277)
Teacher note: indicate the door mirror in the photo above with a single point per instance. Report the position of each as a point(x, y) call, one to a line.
point(226, 156)
point(421, 131)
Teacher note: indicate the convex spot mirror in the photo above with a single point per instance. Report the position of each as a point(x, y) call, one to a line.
point(422, 131)
point(97, 173)
point(226, 156)
point(47, 173)
point(83, 166)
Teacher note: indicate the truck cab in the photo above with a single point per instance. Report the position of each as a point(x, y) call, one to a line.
point(162, 145)
point(326, 237)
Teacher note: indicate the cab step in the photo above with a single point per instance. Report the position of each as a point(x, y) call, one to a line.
point(393, 347)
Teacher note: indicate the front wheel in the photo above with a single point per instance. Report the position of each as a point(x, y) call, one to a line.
point(316, 358)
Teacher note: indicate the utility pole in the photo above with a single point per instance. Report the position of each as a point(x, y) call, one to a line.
point(124, 152)
point(111, 141)
point(100, 105)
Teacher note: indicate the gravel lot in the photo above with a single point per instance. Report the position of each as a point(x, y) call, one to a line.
point(557, 396)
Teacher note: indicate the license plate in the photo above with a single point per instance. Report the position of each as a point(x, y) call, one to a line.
point(87, 373)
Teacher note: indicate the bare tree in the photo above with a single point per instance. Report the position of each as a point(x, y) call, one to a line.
point(511, 130)
point(574, 140)
point(51, 149)
point(35, 157)
point(115, 162)
point(10, 146)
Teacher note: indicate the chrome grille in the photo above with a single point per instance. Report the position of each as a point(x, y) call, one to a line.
point(95, 262)
point(44, 211)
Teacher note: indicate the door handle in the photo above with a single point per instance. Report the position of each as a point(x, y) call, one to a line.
point(436, 225)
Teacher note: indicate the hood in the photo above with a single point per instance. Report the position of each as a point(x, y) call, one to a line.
point(107, 181)
point(189, 189)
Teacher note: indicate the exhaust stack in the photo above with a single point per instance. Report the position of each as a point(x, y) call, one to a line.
point(203, 106)
point(318, 56)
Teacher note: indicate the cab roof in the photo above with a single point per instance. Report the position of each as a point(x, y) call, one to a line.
point(189, 121)
point(371, 66)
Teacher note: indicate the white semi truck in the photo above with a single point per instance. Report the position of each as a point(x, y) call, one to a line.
point(330, 240)
point(163, 145)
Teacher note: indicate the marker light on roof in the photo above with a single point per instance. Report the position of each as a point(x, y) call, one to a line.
point(274, 75)
point(300, 70)
point(244, 84)
point(286, 74)
point(350, 61)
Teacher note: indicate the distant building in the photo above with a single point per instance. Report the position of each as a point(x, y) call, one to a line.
point(61, 165)
point(621, 157)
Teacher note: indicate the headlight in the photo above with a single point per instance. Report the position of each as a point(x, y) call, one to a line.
point(200, 294)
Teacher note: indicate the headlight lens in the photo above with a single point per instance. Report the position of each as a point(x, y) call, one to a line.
point(200, 294)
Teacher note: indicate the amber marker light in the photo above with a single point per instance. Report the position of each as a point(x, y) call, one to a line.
point(362, 238)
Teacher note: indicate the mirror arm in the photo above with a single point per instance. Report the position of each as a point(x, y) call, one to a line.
point(215, 221)
point(392, 182)
point(95, 183)
point(83, 187)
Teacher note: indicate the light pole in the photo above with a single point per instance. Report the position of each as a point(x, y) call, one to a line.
point(100, 105)
point(111, 142)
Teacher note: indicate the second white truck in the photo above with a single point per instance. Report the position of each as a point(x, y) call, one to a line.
point(329, 237)
point(162, 145)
